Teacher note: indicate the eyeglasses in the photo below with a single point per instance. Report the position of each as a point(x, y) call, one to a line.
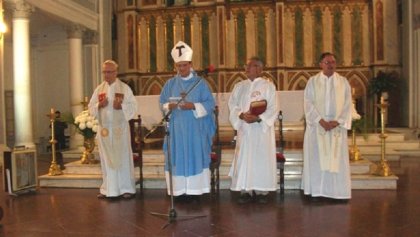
point(328, 62)
point(107, 72)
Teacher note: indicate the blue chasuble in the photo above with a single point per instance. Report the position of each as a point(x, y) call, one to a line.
point(190, 137)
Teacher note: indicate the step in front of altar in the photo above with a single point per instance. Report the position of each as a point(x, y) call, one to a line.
point(77, 175)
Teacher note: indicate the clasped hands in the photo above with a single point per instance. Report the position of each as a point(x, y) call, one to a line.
point(248, 117)
point(117, 103)
point(184, 105)
point(328, 125)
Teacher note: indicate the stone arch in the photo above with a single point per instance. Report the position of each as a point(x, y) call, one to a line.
point(235, 78)
point(358, 82)
point(271, 78)
point(153, 86)
point(298, 81)
point(212, 83)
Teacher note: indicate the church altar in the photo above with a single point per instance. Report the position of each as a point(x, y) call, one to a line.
point(289, 102)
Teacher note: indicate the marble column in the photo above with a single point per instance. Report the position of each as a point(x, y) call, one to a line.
point(21, 75)
point(105, 31)
point(412, 71)
point(92, 63)
point(75, 33)
point(3, 145)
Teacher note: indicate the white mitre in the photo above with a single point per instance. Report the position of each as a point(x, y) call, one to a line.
point(182, 52)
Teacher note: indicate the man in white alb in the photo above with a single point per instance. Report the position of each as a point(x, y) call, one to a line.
point(114, 104)
point(253, 170)
point(327, 106)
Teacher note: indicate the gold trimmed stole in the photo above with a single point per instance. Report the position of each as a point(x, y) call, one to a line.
point(329, 142)
point(113, 124)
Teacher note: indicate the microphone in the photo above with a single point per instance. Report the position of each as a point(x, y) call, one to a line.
point(206, 71)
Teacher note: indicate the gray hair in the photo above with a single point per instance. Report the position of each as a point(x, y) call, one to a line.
point(257, 60)
point(109, 61)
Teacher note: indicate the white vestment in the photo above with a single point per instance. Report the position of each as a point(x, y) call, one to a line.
point(326, 169)
point(114, 138)
point(254, 163)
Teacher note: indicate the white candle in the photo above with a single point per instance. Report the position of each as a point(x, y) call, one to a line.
point(382, 100)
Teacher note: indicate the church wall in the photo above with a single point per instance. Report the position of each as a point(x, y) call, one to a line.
point(49, 78)
point(271, 47)
point(346, 29)
point(161, 51)
point(230, 44)
point(289, 35)
point(391, 29)
point(307, 38)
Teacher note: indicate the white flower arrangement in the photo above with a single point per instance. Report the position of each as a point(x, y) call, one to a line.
point(86, 124)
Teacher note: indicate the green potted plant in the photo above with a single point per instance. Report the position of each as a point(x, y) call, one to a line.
point(383, 82)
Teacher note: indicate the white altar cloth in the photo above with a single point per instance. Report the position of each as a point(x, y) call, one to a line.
point(289, 102)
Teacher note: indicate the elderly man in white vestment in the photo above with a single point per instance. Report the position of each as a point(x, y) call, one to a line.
point(327, 106)
point(114, 104)
point(253, 170)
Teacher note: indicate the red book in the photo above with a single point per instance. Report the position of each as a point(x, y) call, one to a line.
point(258, 107)
point(119, 96)
point(101, 97)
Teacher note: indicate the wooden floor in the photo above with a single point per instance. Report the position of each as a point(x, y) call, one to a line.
point(77, 212)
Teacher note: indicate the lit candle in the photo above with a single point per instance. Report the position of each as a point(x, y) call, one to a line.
point(52, 111)
point(86, 99)
point(382, 100)
point(353, 91)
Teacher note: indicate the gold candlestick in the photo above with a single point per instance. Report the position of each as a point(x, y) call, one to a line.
point(354, 150)
point(54, 168)
point(382, 168)
point(85, 103)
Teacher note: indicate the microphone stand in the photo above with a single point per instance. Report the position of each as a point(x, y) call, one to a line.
point(172, 215)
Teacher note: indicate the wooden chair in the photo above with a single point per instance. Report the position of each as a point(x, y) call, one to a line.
point(281, 160)
point(137, 146)
point(215, 156)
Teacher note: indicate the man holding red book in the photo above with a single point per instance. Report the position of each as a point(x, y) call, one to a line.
point(114, 104)
point(253, 112)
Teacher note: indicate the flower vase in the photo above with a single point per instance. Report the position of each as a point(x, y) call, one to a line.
point(87, 156)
